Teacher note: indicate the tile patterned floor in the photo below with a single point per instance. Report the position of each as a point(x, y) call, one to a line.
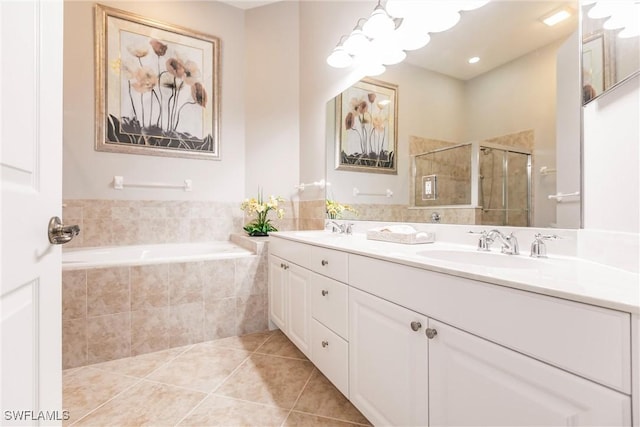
point(254, 380)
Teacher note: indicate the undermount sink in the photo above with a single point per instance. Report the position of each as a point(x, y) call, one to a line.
point(483, 259)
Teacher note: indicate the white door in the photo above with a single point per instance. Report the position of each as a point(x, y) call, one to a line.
point(475, 382)
point(298, 308)
point(388, 378)
point(31, 175)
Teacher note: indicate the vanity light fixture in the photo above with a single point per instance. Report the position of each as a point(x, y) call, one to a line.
point(474, 60)
point(379, 23)
point(392, 29)
point(624, 16)
point(556, 17)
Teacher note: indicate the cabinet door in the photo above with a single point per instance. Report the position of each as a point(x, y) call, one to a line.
point(277, 292)
point(298, 307)
point(387, 361)
point(476, 382)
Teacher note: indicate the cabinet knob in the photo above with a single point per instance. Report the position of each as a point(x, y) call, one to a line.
point(325, 292)
point(325, 262)
point(281, 265)
point(325, 344)
point(431, 333)
point(286, 266)
point(416, 326)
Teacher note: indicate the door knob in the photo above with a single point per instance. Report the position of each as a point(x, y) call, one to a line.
point(59, 234)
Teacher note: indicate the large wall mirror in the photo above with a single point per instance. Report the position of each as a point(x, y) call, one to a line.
point(610, 45)
point(496, 142)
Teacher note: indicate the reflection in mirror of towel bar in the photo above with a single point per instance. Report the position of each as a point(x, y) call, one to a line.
point(119, 184)
point(387, 193)
point(559, 197)
point(320, 184)
point(544, 170)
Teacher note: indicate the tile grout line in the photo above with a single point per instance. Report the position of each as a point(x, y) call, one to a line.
point(139, 380)
point(211, 393)
point(299, 395)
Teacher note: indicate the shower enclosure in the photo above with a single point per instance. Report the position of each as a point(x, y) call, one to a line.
point(494, 180)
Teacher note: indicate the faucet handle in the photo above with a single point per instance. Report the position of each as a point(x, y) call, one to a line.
point(485, 240)
point(538, 248)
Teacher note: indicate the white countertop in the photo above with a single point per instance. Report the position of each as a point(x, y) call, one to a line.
point(558, 276)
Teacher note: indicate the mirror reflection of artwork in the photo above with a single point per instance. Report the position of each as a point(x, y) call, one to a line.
point(367, 138)
point(592, 67)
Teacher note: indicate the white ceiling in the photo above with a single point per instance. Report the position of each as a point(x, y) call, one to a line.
point(248, 4)
point(498, 32)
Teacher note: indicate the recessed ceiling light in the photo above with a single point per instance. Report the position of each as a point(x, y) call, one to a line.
point(474, 60)
point(556, 17)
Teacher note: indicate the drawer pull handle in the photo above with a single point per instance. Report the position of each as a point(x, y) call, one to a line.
point(325, 344)
point(325, 293)
point(416, 326)
point(325, 262)
point(431, 333)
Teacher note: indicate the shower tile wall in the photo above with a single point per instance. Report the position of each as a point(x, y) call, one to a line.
point(130, 222)
point(116, 312)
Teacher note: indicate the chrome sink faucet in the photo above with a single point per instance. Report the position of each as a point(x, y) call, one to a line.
point(509, 242)
point(344, 228)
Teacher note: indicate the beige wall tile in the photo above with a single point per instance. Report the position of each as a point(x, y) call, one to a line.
point(219, 279)
point(186, 324)
point(125, 231)
point(149, 330)
point(149, 286)
point(219, 318)
point(96, 232)
point(108, 291)
point(108, 337)
point(185, 283)
point(74, 343)
point(74, 294)
point(153, 230)
point(251, 314)
point(251, 276)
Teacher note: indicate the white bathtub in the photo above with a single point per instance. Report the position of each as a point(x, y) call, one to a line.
point(106, 256)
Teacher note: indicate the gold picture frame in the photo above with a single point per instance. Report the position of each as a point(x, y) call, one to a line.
point(367, 128)
point(157, 87)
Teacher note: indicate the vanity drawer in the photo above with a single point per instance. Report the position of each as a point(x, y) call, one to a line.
point(330, 354)
point(330, 263)
point(591, 341)
point(297, 253)
point(329, 303)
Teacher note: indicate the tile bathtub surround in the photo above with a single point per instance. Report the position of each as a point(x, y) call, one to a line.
point(259, 379)
point(116, 312)
point(132, 222)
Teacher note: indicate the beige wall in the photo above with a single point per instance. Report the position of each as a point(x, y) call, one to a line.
point(87, 174)
point(272, 99)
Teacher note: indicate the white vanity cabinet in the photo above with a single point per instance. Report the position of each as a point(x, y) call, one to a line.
point(289, 301)
point(309, 304)
point(388, 361)
point(411, 346)
point(473, 381)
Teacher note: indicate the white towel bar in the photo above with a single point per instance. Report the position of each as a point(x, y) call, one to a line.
point(119, 184)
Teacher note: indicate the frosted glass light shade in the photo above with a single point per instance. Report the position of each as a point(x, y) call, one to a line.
point(356, 42)
point(379, 24)
point(339, 58)
point(372, 70)
point(402, 8)
point(440, 19)
point(411, 36)
point(469, 4)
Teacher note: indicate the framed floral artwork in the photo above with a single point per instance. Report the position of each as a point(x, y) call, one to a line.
point(367, 127)
point(157, 87)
